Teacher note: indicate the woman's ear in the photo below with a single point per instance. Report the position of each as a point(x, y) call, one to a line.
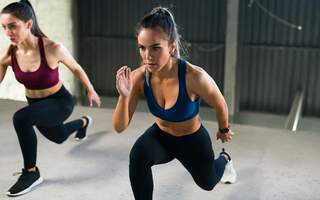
point(29, 24)
point(173, 49)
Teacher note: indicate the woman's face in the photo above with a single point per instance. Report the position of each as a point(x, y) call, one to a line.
point(155, 49)
point(15, 29)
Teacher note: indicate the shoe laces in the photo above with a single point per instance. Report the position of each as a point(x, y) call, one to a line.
point(226, 154)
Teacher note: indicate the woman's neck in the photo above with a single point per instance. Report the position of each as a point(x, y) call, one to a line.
point(168, 70)
point(31, 42)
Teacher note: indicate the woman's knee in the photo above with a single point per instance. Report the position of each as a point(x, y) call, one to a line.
point(207, 184)
point(53, 136)
point(206, 181)
point(208, 187)
point(58, 140)
point(20, 118)
point(138, 154)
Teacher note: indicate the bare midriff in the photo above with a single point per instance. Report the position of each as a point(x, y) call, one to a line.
point(180, 128)
point(35, 94)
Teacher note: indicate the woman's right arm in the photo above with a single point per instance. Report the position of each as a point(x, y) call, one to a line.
point(4, 63)
point(129, 86)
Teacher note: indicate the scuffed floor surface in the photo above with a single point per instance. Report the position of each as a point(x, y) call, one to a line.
point(271, 163)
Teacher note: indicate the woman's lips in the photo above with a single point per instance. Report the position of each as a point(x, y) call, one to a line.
point(151, 65)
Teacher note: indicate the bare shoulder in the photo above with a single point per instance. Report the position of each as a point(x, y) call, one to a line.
point(53, 47)
point(195, 74)
point(138, 77)
point(5, 58)
point(138, 73)
point(199, 82)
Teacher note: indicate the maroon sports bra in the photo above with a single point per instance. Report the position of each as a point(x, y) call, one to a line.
point(44, 77)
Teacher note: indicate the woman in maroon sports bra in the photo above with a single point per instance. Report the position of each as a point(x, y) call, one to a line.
point(34, 59)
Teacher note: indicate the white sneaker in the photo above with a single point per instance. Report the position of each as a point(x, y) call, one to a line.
point(229, 174)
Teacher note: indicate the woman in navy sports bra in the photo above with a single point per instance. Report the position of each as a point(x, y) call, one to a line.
point(173, 89)
point(34, 59)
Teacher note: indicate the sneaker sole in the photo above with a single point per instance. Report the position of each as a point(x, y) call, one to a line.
point(81, 139)
point(230, 181)
point(39, 181)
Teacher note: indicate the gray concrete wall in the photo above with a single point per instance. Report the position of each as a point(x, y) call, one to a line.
point(55, 20)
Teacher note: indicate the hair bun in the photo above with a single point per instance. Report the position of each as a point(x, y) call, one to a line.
point(161, 10)
point(25, 2)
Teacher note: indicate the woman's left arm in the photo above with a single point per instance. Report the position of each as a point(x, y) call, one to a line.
point(67, 59)
point(202, 84)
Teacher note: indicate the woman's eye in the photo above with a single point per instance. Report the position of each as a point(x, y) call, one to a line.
point(12, 26)
point(155, 48)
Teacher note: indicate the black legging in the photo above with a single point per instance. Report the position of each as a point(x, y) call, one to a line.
point(48, 115)
point(156, 147)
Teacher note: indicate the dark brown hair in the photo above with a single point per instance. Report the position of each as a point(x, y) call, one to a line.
point(23, 10)
point(162, 18)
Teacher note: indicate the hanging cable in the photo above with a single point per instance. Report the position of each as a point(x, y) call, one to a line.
point(205, 49)
point(272, 15)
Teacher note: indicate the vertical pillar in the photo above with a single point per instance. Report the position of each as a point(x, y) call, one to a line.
point(231, 47)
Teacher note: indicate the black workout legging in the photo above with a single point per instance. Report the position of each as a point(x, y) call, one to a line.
point(48, 115)
point(156, 147)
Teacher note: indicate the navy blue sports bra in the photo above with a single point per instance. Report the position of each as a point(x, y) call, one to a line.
point(183, 109)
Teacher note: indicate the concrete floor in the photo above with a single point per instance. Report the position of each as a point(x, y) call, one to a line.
point(271, 163)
